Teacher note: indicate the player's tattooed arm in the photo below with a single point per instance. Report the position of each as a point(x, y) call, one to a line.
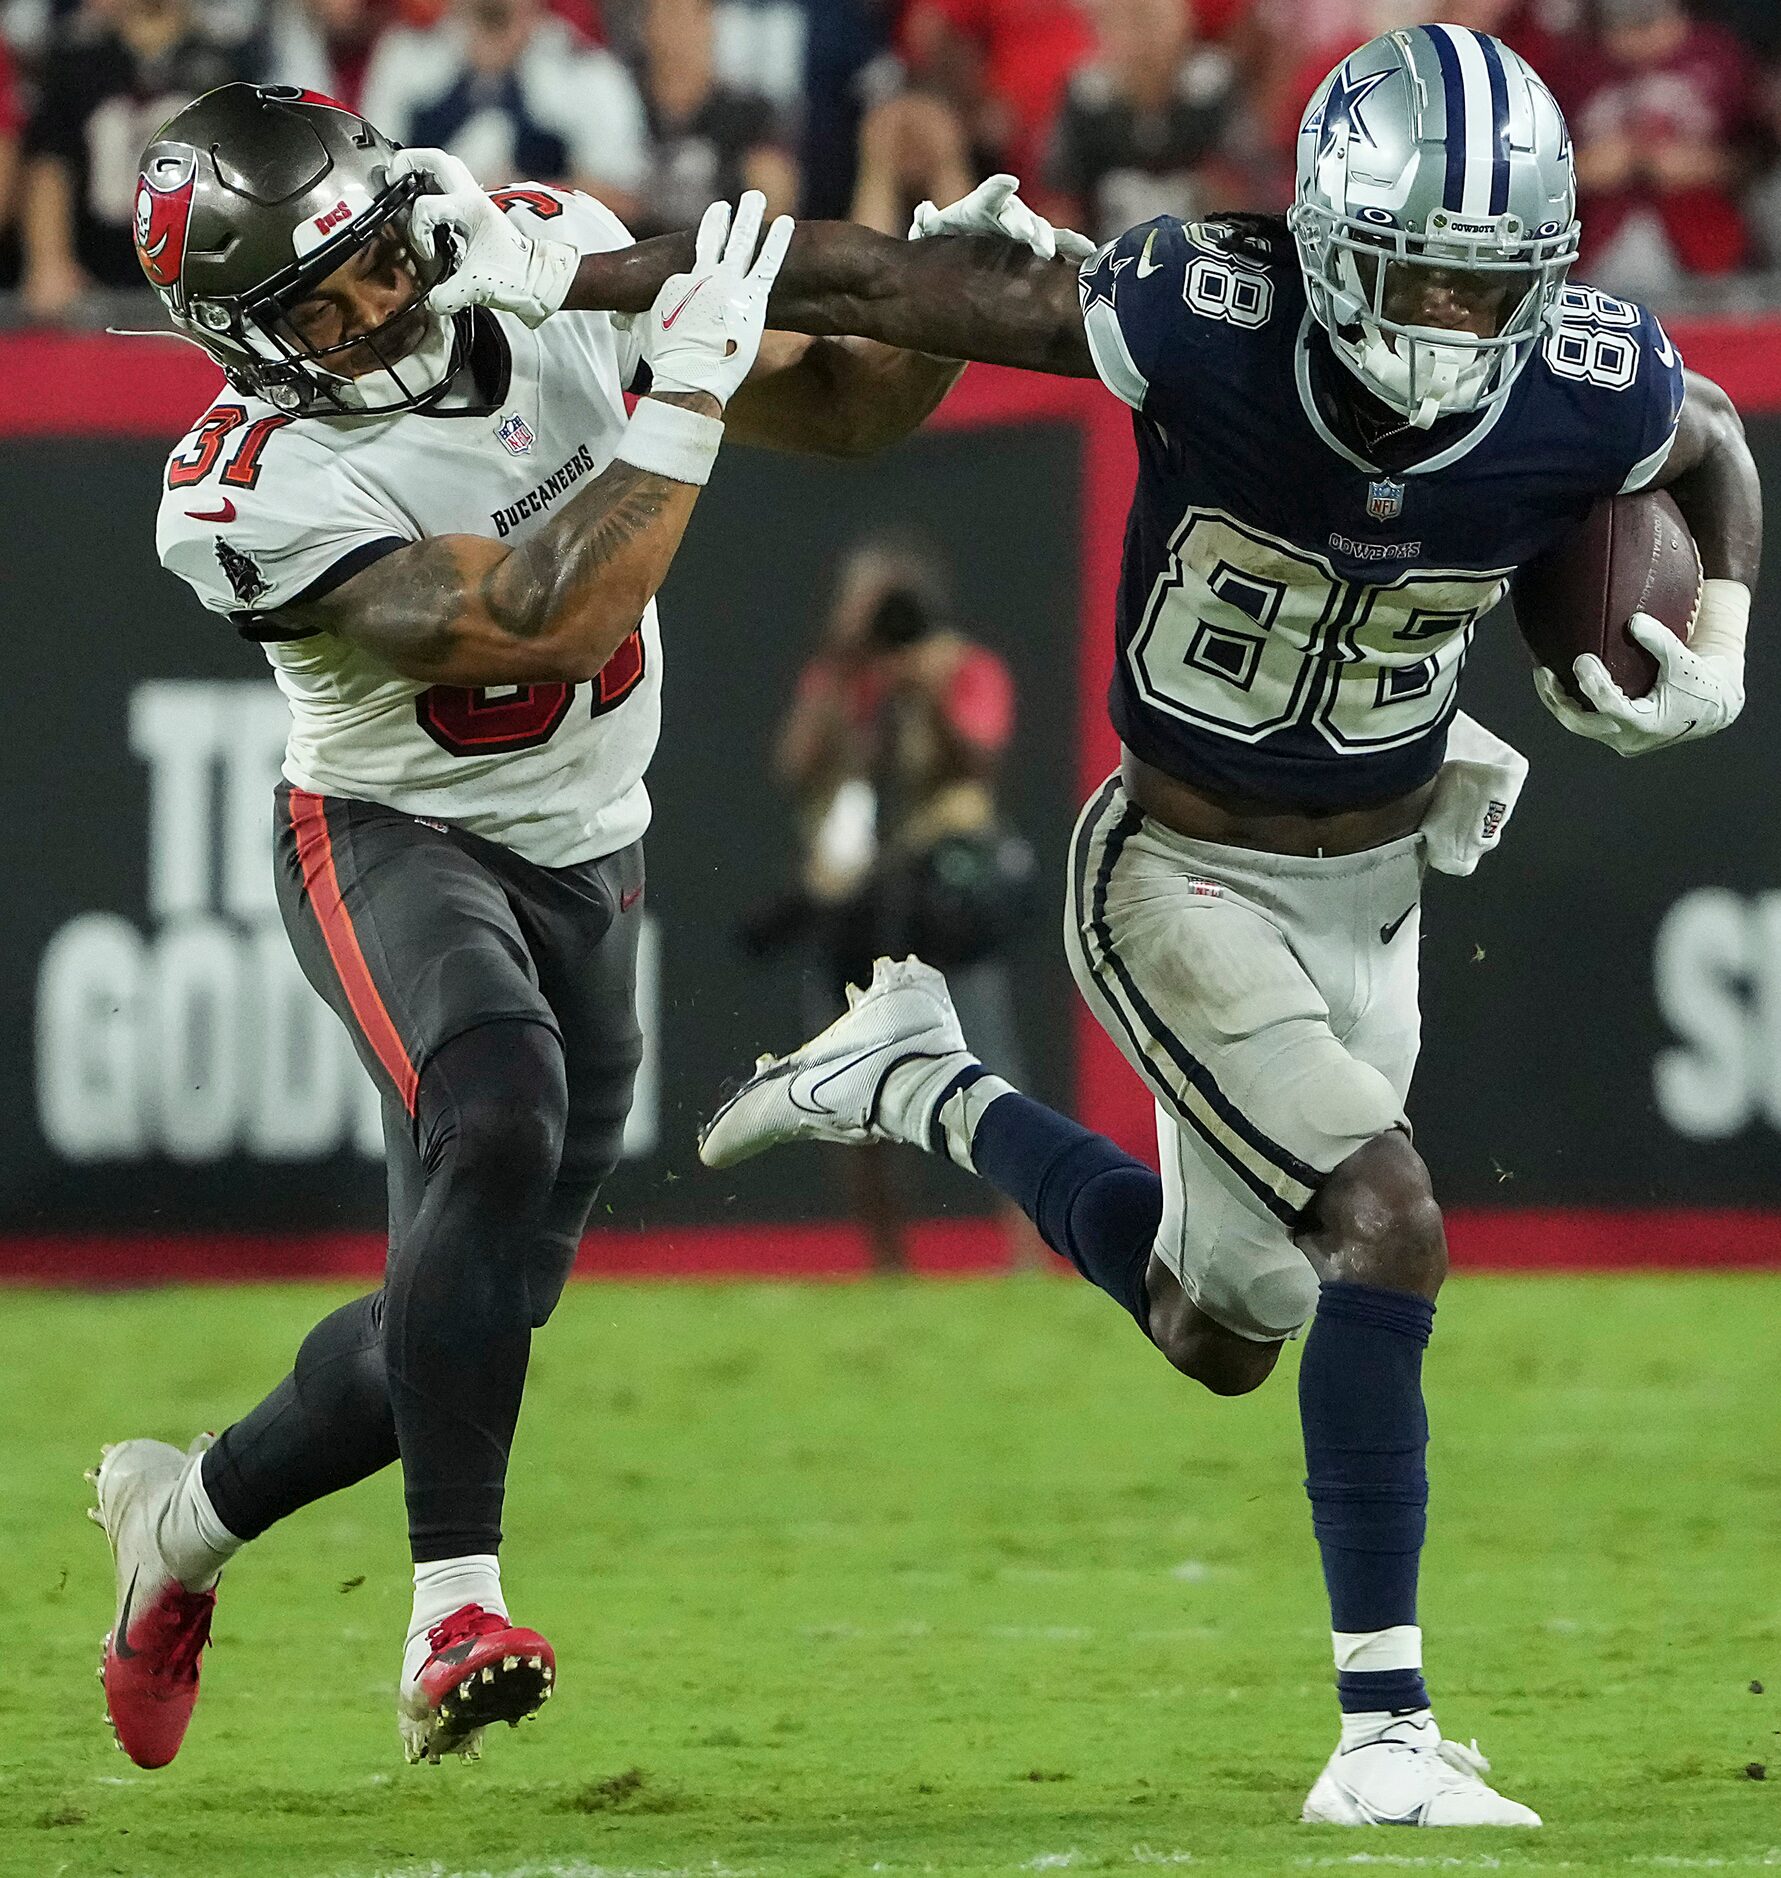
point(1713, 478)
point(462, 610)
point(959, 297)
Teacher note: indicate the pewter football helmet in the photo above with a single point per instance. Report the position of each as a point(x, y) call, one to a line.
point(1434, 156)
point(248, 199)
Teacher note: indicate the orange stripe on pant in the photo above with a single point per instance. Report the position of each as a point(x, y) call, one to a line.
point(315, 854)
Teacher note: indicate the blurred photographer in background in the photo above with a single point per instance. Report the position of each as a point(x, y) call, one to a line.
point(890, 751)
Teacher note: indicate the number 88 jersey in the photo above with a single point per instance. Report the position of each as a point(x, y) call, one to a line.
point(261, 511)
point(1293, 618)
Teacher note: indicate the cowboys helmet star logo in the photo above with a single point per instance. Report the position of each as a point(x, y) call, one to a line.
point(1339, 121)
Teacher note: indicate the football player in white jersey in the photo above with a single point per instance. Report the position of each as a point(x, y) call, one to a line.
point(448, 535)
point(1352, 425)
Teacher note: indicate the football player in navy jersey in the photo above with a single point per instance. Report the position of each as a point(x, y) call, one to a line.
point(1353, 425)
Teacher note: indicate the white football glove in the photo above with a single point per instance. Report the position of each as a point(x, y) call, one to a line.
point(993, 208)
point(499, 264)
point(1699, 689)
point(705, 328)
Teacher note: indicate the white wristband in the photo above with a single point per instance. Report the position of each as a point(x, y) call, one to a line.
point(1723, 621)
point(668, 440)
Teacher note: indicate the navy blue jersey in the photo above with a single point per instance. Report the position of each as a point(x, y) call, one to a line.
point(1292, 618)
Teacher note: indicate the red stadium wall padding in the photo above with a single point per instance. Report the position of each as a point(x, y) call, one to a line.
point(1550, 1240)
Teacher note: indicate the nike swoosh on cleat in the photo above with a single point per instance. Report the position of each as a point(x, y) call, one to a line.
point(1388, 933)
point(120, 1643)
point(811, 1081)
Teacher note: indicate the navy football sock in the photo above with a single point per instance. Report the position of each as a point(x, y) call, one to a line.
point(1092, 1204)
point(1366, 1436)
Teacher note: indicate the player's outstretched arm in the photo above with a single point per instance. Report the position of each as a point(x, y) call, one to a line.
point(850, 397)
point(966, 297)
point(462, 610)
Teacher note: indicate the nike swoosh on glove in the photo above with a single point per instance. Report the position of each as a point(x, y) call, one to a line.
point(704, 331)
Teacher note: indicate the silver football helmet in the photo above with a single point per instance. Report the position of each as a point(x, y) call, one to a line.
point(1435, 217)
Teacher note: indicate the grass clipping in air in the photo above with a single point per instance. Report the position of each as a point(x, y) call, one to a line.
point(937, 1578)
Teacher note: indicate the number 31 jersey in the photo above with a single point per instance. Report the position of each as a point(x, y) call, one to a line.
point(261, 510)
point(1292, 619)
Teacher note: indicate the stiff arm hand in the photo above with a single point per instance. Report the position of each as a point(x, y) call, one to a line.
point(994, 207)
point(498, 263)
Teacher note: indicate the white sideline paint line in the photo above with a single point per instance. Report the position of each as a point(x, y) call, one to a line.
point(1479, 1861)
point(1483, 1861)
point(1039, 1633)
point(573, 1868)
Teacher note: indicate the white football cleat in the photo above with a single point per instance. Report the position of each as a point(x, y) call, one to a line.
point(1406, 1775)
point(839, 1086)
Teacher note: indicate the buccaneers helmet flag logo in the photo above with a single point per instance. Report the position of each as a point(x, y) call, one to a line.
point(163, 211)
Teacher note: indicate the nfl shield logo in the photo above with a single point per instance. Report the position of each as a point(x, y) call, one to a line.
point(516, 434)
point(1385, 500)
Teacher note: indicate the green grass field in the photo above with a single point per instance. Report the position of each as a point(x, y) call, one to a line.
point(929, 1578)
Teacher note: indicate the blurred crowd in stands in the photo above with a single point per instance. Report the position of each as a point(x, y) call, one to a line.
point(1109, 110)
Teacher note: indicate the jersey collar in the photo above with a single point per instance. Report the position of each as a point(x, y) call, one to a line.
point(1462, 446)
point(479, 387)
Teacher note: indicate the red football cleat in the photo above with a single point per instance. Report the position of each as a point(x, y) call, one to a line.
point(150, 1663)
point(481, 1669)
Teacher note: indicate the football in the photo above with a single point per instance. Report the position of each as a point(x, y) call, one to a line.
point(1633, 554)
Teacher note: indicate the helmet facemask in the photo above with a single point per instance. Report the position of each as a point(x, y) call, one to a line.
point(1365, 282)
point(401, 363)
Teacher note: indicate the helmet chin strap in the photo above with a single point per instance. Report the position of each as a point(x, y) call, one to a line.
point(1451, 376)
point(422, 370)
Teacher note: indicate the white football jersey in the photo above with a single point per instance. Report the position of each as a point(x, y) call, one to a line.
point(261, 510)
